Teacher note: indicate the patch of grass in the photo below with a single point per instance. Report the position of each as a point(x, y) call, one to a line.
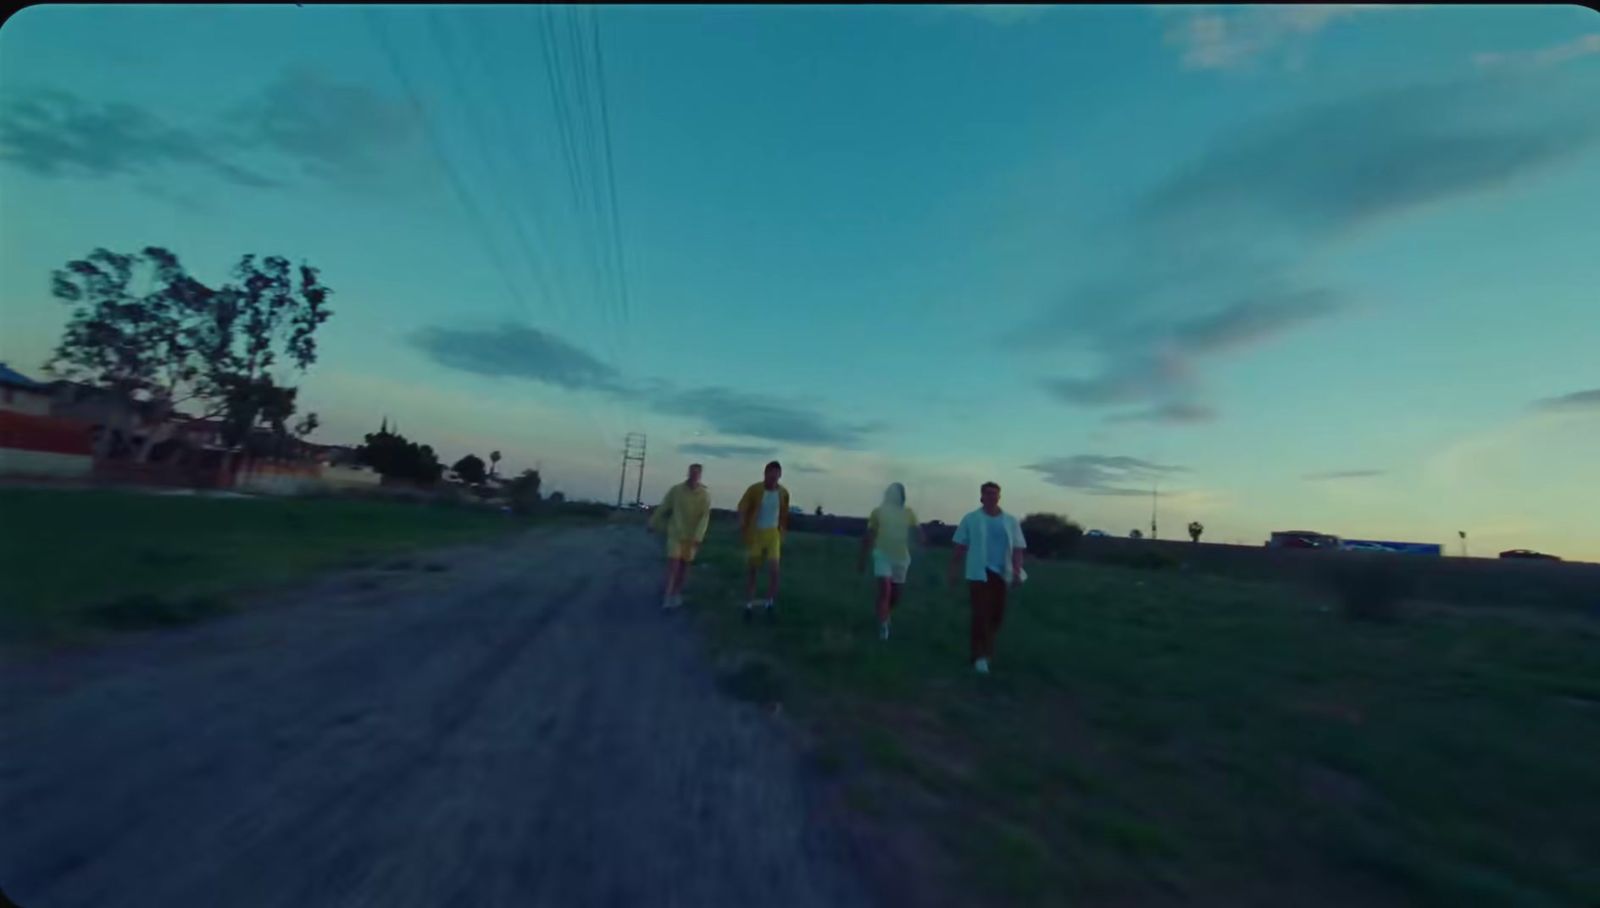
point(1166, 737)
point(71, 560)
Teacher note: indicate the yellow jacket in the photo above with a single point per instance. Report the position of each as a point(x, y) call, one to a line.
point(750, 507)
point(685, 513)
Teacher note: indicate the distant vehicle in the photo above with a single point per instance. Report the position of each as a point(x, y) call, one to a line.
point(1097, 534)
point(1528, 554)
point(1302, 539)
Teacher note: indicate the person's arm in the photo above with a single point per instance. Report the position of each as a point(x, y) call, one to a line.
point(867, 539)
point(958, 551)
point(1019, 549)
point(783, 510)
point(658, 520)
point(744, 515)
point(703, 524)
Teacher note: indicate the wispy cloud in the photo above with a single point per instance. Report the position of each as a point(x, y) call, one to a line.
point(335, 131)
point(725, 452)
point(805, 468)
point(1553, 55)
point(1098, 474)
point(57, 134)
point(303, 123)
point(517, 351)
point(1177, 413)
point(1213, 37)
point(1343, 474)
point(733, 412)
point(1576, 401)
point(1206, 266)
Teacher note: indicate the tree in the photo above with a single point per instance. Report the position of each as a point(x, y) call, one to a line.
point(1051, 535)
point(470, 469)
point(494, 461)
point(524, 491)
point(227, 348)
point(1195, 529)
point(558, 498)
point(396, 458)
point(1135, 535)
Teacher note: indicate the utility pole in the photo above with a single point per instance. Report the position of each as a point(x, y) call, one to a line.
point(632, 451)
point(1154, 493)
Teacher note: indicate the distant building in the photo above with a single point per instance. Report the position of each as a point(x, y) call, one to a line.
point(21, 394)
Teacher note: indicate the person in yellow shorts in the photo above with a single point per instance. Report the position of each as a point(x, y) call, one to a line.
point(763, 519)
point(890, 530)
point(684, 514)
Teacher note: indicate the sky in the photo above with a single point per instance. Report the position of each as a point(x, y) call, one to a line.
point(1268, 267)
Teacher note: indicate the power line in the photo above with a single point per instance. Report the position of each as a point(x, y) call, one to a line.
point(462, 196)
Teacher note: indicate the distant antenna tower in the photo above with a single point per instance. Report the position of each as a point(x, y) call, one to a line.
point(632, 452)
point(1154, 495)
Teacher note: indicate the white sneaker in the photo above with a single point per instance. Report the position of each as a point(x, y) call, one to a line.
point(982, 666)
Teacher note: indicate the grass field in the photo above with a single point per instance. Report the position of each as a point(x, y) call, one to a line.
point(1165, 737)
point(70, 560)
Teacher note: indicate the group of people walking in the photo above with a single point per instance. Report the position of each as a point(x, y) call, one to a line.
point(987, 550)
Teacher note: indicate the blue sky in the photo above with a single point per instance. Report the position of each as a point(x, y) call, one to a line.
point(1304, 267)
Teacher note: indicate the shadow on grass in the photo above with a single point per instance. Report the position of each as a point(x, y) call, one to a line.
point(148, 610)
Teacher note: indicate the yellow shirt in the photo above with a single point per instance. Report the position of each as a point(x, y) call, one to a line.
point(686, 512)
point(891, 531)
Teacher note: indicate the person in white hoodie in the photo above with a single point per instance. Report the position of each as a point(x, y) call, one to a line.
point(989, 546)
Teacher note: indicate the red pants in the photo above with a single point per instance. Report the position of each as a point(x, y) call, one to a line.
point(988, 610)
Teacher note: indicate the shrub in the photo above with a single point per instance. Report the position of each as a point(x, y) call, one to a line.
point(1369, 588)
point(1051, 535)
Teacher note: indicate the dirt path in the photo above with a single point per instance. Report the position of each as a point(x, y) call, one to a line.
point(523, 729)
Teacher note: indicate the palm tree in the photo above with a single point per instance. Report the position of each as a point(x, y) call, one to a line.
point(494, 461)
point(1195, 529)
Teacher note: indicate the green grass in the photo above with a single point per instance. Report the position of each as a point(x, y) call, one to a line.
point(1162, 737)
point(73, 560)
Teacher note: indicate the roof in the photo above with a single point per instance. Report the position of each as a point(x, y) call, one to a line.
point(15, 379)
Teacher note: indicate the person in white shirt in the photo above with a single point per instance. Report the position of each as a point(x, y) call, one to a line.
point(988, 548)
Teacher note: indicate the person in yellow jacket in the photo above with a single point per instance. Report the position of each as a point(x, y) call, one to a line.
point(763, 519)
point(684, 514)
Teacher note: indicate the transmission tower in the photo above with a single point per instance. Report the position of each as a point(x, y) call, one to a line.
point(632, 452)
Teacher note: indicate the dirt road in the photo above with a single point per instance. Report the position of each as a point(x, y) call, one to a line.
point(525, 728)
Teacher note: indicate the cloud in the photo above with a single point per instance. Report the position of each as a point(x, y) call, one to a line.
point(516, 351)
point(1210, 37)
point(723, 452)
point(1176, 413)
point(805, 468)
point(57, 134)
point(1566, 403)
point(1330, 167)
point(1099, 474)
point(1343, 474)
point(332, 131)
point(1554, 55)
point(1208, 265)
point(335, 131)
point(759, 416)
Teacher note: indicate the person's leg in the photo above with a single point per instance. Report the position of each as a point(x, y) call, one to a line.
point(978, 594)
point(997, 610)
point(672, 578)
point(881, 603)
point(894, 595)
point(773, 573)
point(682, 577)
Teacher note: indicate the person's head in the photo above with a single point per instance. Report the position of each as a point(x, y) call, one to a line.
point(773, 473)
point(989, 494)
point(895, 495)
point(694, 474)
